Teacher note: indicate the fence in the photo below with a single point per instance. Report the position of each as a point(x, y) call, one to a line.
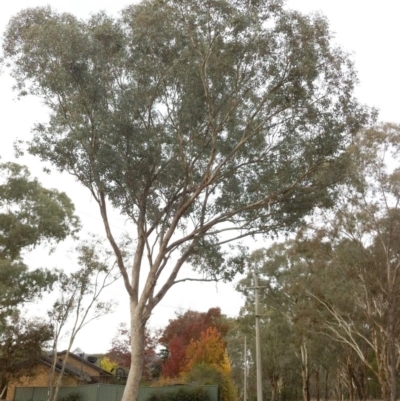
point(102, 392)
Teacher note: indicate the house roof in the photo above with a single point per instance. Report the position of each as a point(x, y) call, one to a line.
point(86, 363)
point(72, 370)
point(69, 370)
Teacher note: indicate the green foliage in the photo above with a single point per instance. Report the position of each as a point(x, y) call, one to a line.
point(224, 109)
point(295, 348)
point(333, 291)
point(79, 300)
point(19, 285)
point(71, 397)
point(29, 215)
point(209, 374)
point(206, 374)
point(195, 394)
point(21, 343)
point(201, 122)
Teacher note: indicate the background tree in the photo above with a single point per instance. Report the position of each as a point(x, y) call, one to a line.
point(190, 324)
point(175, 361)
point(210, 349)
point(364, 230)
point(184, 329)
point(280, 364)
point(21, 345)
point(201, 122)
point(120, 352)
point(29, 215)
point(339, 277)
point(79, 302)
point(107, 364)
point(294, 348)
point(195, 351)
point(280, 352)
point(207, 359)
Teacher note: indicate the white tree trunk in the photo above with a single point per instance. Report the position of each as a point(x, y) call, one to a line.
point(132, 387)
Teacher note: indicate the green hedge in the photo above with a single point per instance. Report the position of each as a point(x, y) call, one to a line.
point(196, 394)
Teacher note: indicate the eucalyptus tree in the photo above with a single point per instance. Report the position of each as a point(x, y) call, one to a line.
point(349, 262)
point(279, 362)
point(79, 302)
point(201, 122)
point(290, 335)
point(365, 232)
point(29, 215)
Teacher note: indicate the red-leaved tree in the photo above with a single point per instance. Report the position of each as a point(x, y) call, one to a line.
point(120, 351)
point(184, 329)
point(176, 361)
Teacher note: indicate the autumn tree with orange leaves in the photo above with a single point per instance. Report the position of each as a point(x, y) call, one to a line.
point(184, 329)
point(209, 349)
point(207, 362)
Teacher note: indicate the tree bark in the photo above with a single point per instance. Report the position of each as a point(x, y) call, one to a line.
point(358, 380)
point(339, 389)
point(273, 391)
point(51, 379)
point(392, 347)
point(138, 323)
point(350, 375)
point(317, 387)
point(326, 385)
point(274, 386)
point(3, 392)
point(305, 372)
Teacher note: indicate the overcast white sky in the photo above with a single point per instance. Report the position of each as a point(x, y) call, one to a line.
point(367, 29)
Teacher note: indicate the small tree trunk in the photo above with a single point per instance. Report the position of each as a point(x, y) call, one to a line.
point(274, 381)
point(3, 392)
point(381, 371)
point(273, 390)
point(351, 389)
point(50, 391)
point(339, 386)
point(364, 382)
point(384, 389)
point(326, 395)
point(305, 372)
point(350, 379)
point(392, 349)
point(358, 381)
point(317, 395)
point(61, 374)
point(132, 387)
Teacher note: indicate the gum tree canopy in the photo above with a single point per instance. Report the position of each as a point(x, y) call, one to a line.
point(201, 122)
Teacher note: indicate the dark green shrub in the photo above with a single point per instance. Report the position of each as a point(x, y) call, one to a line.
point(71, 397)
point(182, 394)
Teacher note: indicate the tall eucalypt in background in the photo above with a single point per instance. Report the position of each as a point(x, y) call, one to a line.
point(200, 122)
